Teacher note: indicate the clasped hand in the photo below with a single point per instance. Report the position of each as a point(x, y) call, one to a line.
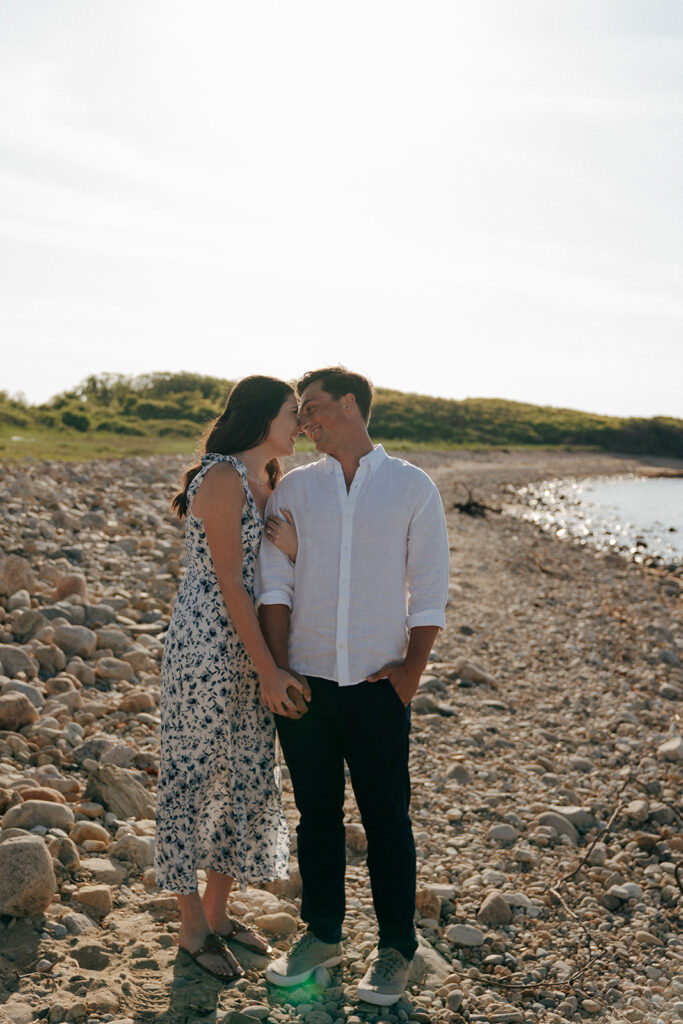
point(286, 693)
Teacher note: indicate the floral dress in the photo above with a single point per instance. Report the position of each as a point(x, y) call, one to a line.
point(218, 802)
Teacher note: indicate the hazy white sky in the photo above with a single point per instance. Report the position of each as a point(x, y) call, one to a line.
point(476, 198)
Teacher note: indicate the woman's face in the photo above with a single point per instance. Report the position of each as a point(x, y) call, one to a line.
point(284, 429)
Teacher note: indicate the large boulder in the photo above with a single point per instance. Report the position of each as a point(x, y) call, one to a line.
point(71, 584)
point(120, 792)
point(21, 599)
point(50, 658)
point(428, 968)
point(139, 850)
point(76, 640)
point(28, 690)
point(113, 639)
point(137, 700)
point(16, 710)
point(96, 899)
point(16, 574)
point(114, 669)
point(28, 624)
point(15, 660)
point(38, 812)
point(27, 880)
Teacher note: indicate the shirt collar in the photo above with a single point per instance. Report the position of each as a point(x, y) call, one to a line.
point(373, 460)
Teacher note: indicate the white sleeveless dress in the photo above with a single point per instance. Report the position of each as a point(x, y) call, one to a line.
point(218, 802)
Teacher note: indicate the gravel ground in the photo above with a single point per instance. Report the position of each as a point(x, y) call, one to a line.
point(546, 761)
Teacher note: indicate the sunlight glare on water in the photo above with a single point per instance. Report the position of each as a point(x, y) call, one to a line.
point(641, 517)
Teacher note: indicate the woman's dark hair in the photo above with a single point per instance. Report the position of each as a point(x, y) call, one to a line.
point(338, 381)
point(251, 407)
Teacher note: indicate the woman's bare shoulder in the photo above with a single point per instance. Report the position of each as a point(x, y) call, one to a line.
point(222, 484)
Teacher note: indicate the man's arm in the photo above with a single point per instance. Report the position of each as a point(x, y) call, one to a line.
point(405, 676)
point(427, 579)
point(274, 622)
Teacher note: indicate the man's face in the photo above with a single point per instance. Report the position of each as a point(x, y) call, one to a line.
point(322, 417)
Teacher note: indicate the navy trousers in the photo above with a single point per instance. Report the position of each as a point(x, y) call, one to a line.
point(367, 727)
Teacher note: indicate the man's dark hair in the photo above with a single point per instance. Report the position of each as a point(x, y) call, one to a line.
point(338, 381)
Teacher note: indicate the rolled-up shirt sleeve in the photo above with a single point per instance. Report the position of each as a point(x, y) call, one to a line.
point(274, 575)
point(428, 564)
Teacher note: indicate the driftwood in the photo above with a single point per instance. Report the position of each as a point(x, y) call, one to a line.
point(471, 507)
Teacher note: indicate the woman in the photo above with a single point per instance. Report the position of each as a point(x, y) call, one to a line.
point(218, 804)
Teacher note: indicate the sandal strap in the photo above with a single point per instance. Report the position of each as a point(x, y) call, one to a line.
point(212, 945)
point(240, 928)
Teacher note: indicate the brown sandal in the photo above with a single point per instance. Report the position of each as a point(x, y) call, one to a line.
point(238, 927)
point(214, 946)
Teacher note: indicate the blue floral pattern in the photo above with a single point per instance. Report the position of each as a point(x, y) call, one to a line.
point(218, 802)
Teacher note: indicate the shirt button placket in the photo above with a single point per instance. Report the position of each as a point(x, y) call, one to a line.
point(348, 503)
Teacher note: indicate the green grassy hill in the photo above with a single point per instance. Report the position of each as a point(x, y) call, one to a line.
point(167, 412)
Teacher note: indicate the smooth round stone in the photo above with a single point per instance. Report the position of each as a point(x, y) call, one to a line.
point(464, 935)
point(502, 833)
point(38, 812)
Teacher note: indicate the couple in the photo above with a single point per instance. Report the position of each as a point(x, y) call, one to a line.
point(351, 582)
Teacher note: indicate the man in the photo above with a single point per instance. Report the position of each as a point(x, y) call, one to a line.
point(356, 614)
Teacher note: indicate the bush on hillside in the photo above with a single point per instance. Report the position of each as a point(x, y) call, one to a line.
point(77, 420)
point(120, 426)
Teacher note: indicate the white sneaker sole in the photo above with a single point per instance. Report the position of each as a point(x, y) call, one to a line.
point(368, 995)
point(290, 980)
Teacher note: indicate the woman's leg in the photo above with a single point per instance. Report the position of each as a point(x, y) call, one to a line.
point(194, 931)
point(215, 896)
point(214, 899)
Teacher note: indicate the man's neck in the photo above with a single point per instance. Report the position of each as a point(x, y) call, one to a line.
point(349, 456)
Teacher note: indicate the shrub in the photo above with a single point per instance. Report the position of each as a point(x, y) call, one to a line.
point(120, 426)
point(181, 428)
point(77, 420)
point(46, 418)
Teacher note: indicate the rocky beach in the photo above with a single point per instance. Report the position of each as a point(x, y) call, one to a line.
point(547, 758)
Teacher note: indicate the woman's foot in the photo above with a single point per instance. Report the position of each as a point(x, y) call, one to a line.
point(231, 928)
point(210, 954)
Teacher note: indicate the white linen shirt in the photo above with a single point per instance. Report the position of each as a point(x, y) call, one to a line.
point(371, 564)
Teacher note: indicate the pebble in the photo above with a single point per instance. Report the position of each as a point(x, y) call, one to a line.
point(96, 898)
point(495, 910)
point(670, 750)
point(464, 935)
point(505, 834)
point(277, 924)
point(560, 824)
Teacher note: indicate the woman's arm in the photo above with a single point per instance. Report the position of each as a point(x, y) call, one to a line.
point(282, 533)
point(218, 502)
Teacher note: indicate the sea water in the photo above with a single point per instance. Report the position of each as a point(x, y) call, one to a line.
point(640, 517)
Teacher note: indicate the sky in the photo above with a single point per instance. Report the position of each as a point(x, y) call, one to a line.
point(464, 199)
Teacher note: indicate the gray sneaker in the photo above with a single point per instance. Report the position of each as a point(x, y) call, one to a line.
point(302, 960)
point(385, 978)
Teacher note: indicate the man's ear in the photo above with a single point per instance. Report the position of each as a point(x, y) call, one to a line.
point(348, 401)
